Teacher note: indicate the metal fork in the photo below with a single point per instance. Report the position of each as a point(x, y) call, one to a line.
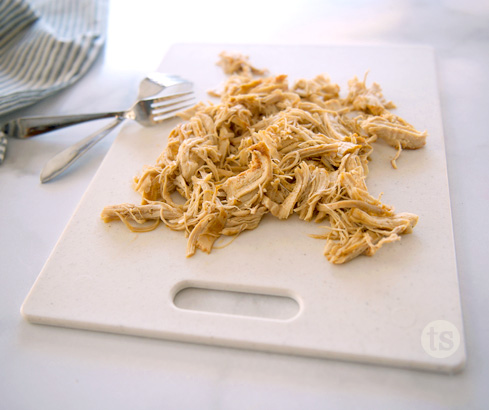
point(147, 112)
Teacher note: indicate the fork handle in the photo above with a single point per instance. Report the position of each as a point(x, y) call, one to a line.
point(31, 126)
point(65, 158)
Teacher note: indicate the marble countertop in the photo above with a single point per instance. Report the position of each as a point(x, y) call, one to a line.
point(46, 367)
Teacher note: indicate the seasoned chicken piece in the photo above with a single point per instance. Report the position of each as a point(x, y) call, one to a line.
point(322, 184)
point(256, 176)
point(359, 243)
point(333, 151)
point(371, 233)
point(392, 224)
point(370, 100)
point(244, 220)
point(319, 89)
point(188, 159)
point(352, 203)
point(141, 214)
point(236, 63)
point(285, 209)
point(206, 232)
point(395, 131)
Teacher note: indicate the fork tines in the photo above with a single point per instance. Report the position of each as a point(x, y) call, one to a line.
point(169, 105)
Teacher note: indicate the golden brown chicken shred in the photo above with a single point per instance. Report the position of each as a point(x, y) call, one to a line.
point(270, 148)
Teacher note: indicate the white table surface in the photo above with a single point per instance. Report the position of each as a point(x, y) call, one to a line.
point(53, 368)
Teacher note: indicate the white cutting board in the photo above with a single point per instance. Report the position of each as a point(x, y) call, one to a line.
point(373, 309)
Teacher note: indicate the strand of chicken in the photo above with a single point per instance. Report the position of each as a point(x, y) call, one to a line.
point(270, 148)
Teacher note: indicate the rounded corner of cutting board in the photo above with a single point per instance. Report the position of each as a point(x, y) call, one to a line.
point(25, 312)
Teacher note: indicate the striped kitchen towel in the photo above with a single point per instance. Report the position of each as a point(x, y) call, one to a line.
point(46, 45)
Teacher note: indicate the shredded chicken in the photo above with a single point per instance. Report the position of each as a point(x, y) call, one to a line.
point(267, 147)
point(238, 64)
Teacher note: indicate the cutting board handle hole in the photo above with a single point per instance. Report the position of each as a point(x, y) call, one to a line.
point(236, 303)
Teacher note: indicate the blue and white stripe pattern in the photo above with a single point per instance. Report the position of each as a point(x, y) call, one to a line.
point(46, 45)
point(3, 146)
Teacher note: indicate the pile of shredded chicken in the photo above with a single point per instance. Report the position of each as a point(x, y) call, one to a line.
point(268, 148)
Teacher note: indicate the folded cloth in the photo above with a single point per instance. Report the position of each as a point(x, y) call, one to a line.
point(46, 45)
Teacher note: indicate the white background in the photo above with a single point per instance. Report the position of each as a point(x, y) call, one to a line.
point(43, 367)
